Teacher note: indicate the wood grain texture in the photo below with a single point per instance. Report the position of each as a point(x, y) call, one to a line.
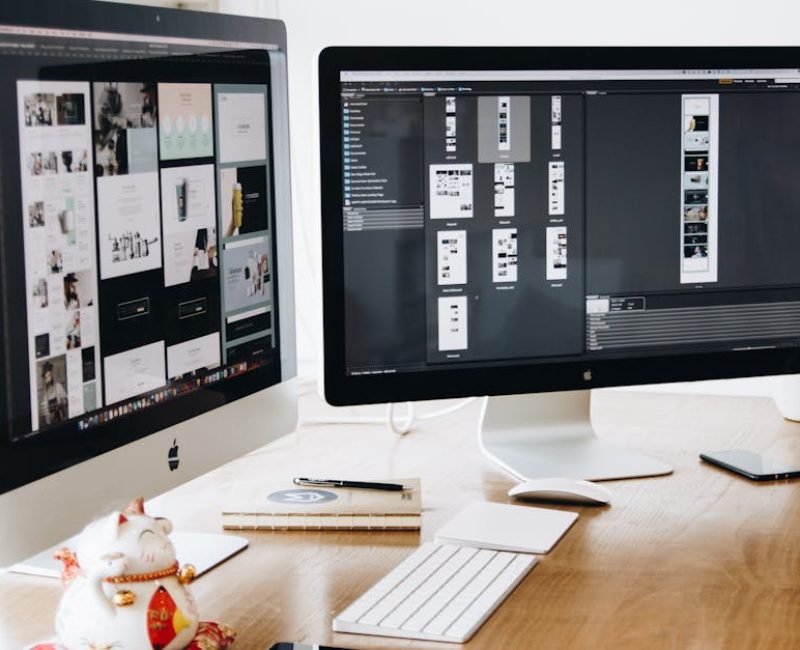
point(698, 559)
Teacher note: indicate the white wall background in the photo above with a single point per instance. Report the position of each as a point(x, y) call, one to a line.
point(315, 24)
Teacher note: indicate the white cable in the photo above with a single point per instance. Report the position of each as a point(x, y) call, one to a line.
point(350, 419)
point(447, 410)
point(404, 427)
point(400, 429)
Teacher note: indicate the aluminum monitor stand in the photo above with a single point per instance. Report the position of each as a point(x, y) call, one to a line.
point(551, 435)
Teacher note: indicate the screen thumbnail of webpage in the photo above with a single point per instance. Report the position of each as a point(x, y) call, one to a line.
point(147, 237)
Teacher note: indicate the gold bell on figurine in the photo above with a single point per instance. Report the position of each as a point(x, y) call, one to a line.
point(124, 598)
point(187, 574)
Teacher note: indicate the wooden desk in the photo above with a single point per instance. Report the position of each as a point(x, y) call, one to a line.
point(698, 559)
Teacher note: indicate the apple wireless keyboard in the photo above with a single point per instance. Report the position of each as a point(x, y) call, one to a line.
point(442, 592)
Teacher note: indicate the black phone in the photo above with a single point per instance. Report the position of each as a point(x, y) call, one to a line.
point(752, 465)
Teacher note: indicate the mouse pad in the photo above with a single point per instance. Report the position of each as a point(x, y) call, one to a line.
point(503, 527)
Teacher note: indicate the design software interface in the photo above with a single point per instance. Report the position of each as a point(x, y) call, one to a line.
point(141, 225)
point(545, 215)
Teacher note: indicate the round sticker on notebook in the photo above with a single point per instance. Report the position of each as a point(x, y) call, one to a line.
point(302, 497)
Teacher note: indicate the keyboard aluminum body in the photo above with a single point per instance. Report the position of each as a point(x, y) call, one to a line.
point(442, 592)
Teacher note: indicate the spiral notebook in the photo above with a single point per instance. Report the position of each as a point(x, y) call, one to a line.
point(284, 506)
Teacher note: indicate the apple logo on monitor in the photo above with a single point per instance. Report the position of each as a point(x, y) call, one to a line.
point(172, 456)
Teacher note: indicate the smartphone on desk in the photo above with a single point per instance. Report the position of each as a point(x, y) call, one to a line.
point(752, 465)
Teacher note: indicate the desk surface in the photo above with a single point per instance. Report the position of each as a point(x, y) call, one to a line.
point(698, 559)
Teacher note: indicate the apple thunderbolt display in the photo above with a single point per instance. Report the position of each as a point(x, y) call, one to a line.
point(530, 223)
point(147, 301)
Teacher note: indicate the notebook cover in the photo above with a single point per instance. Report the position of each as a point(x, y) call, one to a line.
point(289, 507)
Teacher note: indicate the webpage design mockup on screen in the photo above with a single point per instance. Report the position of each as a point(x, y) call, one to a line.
point(146, 225)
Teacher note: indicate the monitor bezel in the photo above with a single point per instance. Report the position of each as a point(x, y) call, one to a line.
point(37, 456)
point(88, 15)
point(341, 389)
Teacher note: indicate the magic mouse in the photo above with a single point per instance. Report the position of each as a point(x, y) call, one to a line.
point(562, 489)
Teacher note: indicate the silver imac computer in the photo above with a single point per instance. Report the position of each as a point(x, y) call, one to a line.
point(530, 223)
point(147, 300)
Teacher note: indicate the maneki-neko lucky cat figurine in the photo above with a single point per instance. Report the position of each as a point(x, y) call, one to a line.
point(124, 588)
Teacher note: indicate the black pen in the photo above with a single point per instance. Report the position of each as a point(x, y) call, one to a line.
point(365, 485)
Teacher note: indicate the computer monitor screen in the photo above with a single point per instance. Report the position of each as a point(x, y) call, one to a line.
point(525, 220)
point(144, 194)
